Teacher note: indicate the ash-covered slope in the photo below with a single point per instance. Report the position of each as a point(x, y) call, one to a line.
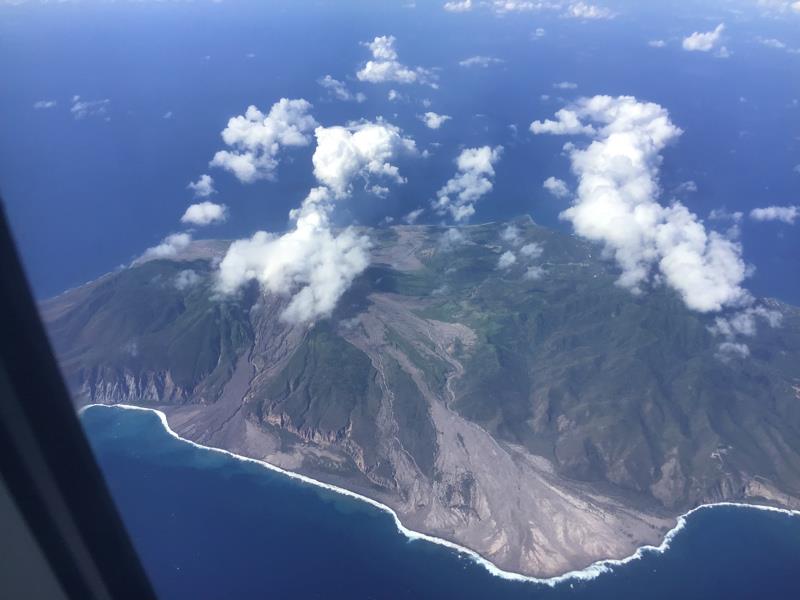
point(536, 413)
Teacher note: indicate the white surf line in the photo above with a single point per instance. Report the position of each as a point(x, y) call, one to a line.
point(586, 574)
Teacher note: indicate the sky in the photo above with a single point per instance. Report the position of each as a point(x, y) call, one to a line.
point(668, 133)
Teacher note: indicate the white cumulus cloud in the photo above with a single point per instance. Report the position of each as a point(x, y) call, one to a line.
point(506, 260)
point(567, 122)
point(412, 216)
point(532, 250)
point(729, 350)
point(169, 246)
point(337, 89)
point(433, 120)
point(385, 66)
point(510, 235)
point(458, 6)
point(472, 181)
point(743, 322)
point(582, 10)
point(722, 214)
point(617, 204)
point(362, 149)
point(533, 272)
point(186, 279)
point(508, 6)
point(480, 61)
point(203, 187)
point(703, 41)
point(557, 187)
point(310, 264)
point(451, 238)
point(786, 214)
point(257, 138)
point(205, 213)
point(44, 104)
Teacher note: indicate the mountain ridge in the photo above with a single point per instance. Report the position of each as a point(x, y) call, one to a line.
point(544, 422)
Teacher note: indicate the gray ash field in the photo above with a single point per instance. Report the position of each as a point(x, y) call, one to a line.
point(537, 413)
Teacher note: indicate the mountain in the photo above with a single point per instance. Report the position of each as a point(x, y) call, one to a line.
point(536, 413)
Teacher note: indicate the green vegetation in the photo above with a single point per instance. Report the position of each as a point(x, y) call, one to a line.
point(611, 387)
point(137, 321)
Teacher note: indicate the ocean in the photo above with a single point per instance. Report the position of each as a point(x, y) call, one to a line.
point(207, 525)
point(87, 195)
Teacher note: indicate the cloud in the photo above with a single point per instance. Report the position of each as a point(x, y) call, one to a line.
point(311, 264)
point(203, 187)
point(508, 6)
point(743, 322)
point(565, 85)
point(381, 191)
point(557, 187)
point(539, 33)
point(451, 238)
point(582, 10)
point(786, 214)
point(385, 67)
point(510, 235)
point(337, 89)
point(82, 109)
point(433, 120)
point(205, 213)
point(780, 6)
point(257, 139)
point(778, 45)
point(506, 260)
point(616, 204)
point(532, 250)
point(656, 43)
point(458, 6)
point(567, 123)
point(729, 350)
point(167, 115)
point(412, 217)
point(395, 96)
point(686, 187)
point(720, 214)
point(186, 279)
point(169, 246)
point(44, 104)
point(703, 42)
point(533, 272)
point(472, 181)
point(480, 61)
point(362, 149)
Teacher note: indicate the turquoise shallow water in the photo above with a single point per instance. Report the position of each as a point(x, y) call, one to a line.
point(210, 526)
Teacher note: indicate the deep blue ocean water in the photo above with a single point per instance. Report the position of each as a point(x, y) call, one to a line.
point(209, 526)
point(86, 196)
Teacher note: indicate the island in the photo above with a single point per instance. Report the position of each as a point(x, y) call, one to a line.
point(530, 410)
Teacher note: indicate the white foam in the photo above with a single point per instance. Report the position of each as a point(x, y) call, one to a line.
point(588, 573)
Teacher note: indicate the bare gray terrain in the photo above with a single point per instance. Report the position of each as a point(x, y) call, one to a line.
point(545, 422)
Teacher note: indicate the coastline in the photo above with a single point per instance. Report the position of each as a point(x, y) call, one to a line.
point(588, 573)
